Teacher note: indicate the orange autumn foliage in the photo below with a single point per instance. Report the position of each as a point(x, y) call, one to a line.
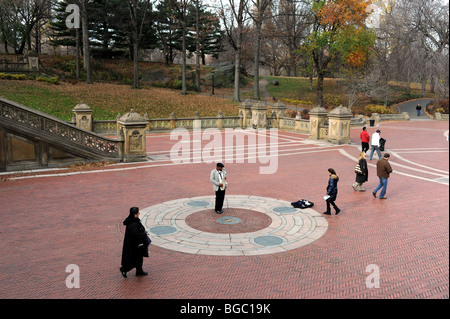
point(356, 58)
point(345, 12)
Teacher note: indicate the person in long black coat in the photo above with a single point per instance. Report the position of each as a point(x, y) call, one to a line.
point(332, 191)
point(364, 177)
point(135, 244)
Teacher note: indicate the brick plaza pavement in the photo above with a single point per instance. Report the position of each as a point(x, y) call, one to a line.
point(57, 218)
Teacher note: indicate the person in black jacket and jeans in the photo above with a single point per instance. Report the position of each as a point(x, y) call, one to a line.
point(135, 244)
point(332, 191)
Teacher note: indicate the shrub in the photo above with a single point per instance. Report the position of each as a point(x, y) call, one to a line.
point(52, 80)
point(441, 106)
point(380, 109)
point(7, 76)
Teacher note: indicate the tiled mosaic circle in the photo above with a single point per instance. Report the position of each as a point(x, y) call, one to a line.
point(190, 225)
point(231, 221)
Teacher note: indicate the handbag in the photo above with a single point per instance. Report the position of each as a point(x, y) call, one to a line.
point(358, 170)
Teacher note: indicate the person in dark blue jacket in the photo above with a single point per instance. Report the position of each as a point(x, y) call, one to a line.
point(332, 191)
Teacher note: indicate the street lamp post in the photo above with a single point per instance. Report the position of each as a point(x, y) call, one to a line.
point(212, 74)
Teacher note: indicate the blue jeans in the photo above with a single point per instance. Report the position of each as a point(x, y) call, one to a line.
point(418, 112)
point(372, 149)
point(383, 185)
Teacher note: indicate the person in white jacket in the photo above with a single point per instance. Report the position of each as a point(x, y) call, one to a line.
point(375, 145)
point(218, 178)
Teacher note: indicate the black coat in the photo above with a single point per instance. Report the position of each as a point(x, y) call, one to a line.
point(135, 235)
point(362, 178)
point(332, 188)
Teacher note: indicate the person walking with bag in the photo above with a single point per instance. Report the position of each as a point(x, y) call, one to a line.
point(135, 244)
point(332, 191)
point(383, 170)
point(375, 145)
point(363, 175)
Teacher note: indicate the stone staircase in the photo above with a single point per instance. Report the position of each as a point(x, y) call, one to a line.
point(30, 139)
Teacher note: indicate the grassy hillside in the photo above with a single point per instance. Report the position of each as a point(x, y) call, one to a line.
point(111, 93)
point(107, 100)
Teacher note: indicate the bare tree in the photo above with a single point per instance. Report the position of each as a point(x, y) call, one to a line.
point(257, 12)
point(137, 28)
point(85, 36)
point(233, 18)
point(182, 11)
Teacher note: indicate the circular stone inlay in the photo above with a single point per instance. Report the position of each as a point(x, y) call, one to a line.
point(163, 230)
point(232, 221)
point(249, 225)
point(198, 203)
point(228, 220)
point(285, 210)
point(268, 240)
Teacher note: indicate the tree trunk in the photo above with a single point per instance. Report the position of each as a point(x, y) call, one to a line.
point(136, 84)
point(86, 51)
point(183, 54)
point(77, 48)
point(256, 95)
point(237, 66)
point(197, 46)
point(319, 90)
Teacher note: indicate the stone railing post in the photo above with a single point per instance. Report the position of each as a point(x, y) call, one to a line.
point(245, 112)
point(147, 119)
point(33, 62)
point(220, 118)
point(173, 121)
point(132, 127)
point(259, 115)
point(197, 125)
point(339, 125)
point(83, 116)
point(317, 119)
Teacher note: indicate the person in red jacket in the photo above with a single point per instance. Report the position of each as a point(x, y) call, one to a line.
point(365, 138)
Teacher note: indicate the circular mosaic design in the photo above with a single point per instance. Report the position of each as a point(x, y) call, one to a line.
point(249, 225)
point(231, 221)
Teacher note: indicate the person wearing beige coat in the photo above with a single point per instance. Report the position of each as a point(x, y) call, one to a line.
point(218, 178)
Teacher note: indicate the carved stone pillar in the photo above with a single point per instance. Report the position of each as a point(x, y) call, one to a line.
point(83, 116)
point(280, 111)
point(339, 125)
point(33, 62)
point(133, 127)
point(317, 119)
point(259, 115)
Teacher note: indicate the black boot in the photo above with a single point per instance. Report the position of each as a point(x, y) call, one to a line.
point(141, 273)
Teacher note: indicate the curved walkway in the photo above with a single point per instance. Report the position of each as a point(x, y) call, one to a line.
point(410, 107)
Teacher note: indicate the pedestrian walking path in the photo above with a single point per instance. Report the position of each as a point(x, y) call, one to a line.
point(260, 247)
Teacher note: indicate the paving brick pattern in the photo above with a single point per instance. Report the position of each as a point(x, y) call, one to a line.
point(63, 218)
